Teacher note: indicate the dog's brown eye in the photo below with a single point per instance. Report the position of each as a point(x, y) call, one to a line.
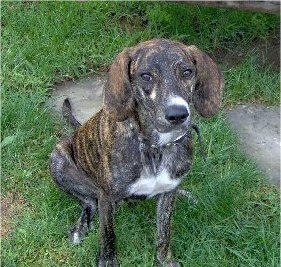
point(187, 73)
point(146, 77)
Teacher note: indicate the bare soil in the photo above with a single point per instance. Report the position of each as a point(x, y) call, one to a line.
point(11, 205)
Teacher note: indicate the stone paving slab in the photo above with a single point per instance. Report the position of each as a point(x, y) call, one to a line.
point(85, 97)
point(258, 127)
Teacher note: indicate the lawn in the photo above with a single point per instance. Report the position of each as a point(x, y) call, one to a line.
point(236, 219)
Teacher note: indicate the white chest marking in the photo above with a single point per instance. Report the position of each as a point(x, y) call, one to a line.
point(152, 185)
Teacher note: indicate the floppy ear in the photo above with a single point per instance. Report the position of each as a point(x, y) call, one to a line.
point(209, 85)
point(117, 93)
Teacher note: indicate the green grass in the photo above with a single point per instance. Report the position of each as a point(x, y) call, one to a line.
point(236, 220)
point(247, 83)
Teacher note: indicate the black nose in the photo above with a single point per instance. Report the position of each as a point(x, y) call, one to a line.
point(176, 114)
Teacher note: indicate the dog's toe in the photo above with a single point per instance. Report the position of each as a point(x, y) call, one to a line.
point(75, 237)
point(172, 263)
point(77, 234)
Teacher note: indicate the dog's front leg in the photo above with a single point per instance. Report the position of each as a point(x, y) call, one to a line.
point(107, 257)
point(165, 205)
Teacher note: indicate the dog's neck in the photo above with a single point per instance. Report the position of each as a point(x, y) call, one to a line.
point(158, 148)
point(146, 142)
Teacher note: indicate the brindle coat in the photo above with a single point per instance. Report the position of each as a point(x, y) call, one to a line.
point(139, 144)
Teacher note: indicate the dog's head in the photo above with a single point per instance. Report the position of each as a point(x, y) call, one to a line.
point(161, 79)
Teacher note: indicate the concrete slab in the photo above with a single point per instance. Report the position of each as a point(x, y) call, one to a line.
point(85, 97)
point(258, 127)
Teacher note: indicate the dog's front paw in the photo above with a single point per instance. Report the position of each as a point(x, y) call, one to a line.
point(108, 263)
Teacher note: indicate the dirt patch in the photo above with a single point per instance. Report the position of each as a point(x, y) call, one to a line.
point(11, 205)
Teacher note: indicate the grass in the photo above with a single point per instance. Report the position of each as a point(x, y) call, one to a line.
point(247, 83)
point(236, 220)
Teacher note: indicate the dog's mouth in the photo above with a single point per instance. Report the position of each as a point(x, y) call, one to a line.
point(165, 134)
point(161, 132)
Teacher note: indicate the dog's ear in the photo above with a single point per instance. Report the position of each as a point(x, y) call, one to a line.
point(209, 85)
point(117, 93)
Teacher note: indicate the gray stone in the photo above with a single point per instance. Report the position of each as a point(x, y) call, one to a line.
point(258, 129)
point(85, 97)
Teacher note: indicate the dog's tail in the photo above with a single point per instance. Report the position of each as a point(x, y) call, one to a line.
point(67, 114)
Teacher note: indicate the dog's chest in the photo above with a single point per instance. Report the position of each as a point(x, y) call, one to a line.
point(150, 184)
point(155, 177)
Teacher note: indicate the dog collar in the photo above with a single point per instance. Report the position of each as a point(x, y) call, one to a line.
point(156, 149)
point(173, 143)
point(144, 140)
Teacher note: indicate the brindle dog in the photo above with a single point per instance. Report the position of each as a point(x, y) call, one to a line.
point(139, 144)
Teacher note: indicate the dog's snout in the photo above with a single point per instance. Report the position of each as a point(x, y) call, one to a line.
point(176, 114)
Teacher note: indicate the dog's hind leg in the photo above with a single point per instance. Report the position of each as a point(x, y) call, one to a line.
point(75, 182)
point(84, 223)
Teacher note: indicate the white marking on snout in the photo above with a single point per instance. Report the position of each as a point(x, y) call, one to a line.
point(178, 101)
point(151, 185)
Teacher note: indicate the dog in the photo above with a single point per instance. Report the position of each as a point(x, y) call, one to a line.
point(139, 145)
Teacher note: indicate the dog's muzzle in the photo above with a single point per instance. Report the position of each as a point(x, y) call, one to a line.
point(176, 117)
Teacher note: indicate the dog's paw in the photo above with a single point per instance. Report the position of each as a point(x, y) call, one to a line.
point(77, 233)
point(166, 261)
point(75, 237)
point(108, 263)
